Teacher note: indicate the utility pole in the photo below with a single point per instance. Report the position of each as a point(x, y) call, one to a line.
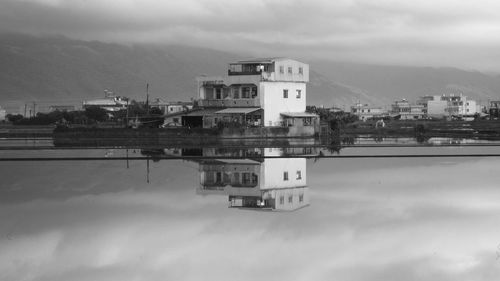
point(147, 98)
point(25, 110)
point(34, 109)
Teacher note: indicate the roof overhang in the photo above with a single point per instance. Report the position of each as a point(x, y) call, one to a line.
point(237, 110)
point(298, 114)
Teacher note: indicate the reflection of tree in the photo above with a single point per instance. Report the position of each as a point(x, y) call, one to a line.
point(420, 133)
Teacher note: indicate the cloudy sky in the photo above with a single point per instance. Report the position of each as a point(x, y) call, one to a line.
point(427, 32)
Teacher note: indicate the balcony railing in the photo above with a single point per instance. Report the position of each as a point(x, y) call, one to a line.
point(230, 103)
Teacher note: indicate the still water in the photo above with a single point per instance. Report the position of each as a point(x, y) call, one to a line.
point(125, 215)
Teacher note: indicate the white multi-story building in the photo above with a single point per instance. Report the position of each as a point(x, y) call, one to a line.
point(259, 92)
point(449, 105)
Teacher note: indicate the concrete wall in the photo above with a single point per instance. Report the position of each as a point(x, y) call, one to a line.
point(295, 75)
point(273, 103)
point(437, 107)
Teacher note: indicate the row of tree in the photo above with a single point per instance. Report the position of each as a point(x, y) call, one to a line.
point(136, 111)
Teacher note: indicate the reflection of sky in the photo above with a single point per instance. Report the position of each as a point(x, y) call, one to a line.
point(369, 219)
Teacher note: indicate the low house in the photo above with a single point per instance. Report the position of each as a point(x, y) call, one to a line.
point(365, 111)
point(110, 103)
point(169, 107)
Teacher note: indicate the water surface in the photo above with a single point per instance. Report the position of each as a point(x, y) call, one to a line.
point(404, 218)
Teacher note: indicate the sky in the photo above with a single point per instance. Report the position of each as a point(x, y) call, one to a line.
point(453, 33)
point(65, 225)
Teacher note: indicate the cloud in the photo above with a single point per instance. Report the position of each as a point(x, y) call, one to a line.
point(447, 33)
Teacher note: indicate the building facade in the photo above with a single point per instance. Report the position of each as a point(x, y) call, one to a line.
point(450, 105)
point(407, 111)
point(365, 111)
point(261, 92)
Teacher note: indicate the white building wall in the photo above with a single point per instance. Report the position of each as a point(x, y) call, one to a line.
point(470, 107)
point(286, 75)
point(272, 173)
point(437, 107)
point(273, 102)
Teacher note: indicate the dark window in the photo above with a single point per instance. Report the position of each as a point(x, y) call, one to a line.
point(285, 93)
point(301, 70)
point(236, 93)
point(290, 198)
point(289, 70)
point(285, 176)
point(299, 175)
point(299, 93)
point(245, 94)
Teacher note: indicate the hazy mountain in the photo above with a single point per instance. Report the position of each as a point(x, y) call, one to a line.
point(61, 70)
point(388, 83)
point(58, 70)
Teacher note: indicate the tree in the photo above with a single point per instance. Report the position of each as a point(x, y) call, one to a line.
point(96, 113)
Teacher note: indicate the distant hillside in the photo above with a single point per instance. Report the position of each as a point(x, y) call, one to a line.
point(59, 70)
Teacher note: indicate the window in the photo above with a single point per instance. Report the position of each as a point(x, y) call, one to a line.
point(282, 200)
point(299, 175)
point(307, 121)
point(301, 197)
point(176, 120)
point(218, 94)
point(254, 92)
point(289, 70)
point(236, 93)
point(285, 93)
point(299, 92)
point(285, 176)
point(290, 198)
point(282, 69)
point(301, 70)
point(245, 94)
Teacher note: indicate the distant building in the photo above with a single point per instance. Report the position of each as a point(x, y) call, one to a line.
point(365, 111)
point(407, 111)
point(449, 105)
point(259, 92)
point(110, 103)
point(494, 109)
point(171, 107)
point(3, 113)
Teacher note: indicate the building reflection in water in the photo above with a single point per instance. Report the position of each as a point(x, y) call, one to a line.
point(258, 182)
